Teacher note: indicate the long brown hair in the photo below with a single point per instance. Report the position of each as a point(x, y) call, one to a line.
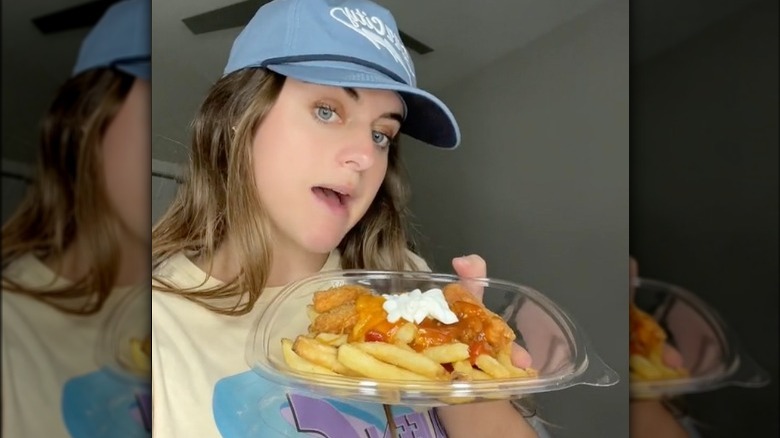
point(67, 198)
point(218, 198)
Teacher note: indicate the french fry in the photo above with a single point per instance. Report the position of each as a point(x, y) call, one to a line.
point(406, 333)
point(311, 313)
point(491, 366)
point(481, 375)
point(406, 347)
point(141, 360)
point(464, 367)
point(369, 366)
point(447, 353)
point(300, 364)
point(457, 376)
point(410, 360)
point(334, 339)
point(505, 359)
point(643, 367)
point(320, 354)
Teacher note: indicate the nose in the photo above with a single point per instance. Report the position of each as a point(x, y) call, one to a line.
point(359, 151)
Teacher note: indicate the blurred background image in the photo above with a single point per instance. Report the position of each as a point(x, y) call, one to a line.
point(704, 178)
point(539, 187)
point(75, 237)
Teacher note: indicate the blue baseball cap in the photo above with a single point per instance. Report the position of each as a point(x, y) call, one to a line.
point(121, 39)
point(343, 43)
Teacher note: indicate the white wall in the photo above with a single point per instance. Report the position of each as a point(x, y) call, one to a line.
point(539, 188)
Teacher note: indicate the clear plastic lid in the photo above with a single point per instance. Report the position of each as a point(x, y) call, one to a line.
point(710, 351)
point(560, 351)
point(123, 345)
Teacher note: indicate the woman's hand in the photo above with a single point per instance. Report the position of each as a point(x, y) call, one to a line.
point(474, 266)
point(670, 356)
point(486, 419)
point(650, 418)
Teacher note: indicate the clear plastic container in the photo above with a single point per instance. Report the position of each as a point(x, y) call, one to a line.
point(710, 350)
point(131, 322)
point(114, 400)
point(560, 351)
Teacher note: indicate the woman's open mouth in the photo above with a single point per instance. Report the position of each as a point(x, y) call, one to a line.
point(334, 199)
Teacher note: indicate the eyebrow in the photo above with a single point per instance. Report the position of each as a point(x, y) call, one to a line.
point(356, 97)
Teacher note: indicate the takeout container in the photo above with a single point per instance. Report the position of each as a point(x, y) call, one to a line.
point(131, 319)
point(114, 400)
point(561, 352)
point(710, 350)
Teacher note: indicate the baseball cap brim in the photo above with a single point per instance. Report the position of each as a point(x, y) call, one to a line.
point(142, 70)
point(121, 39)
point(427, 118)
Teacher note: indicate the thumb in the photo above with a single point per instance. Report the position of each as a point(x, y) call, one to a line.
point(471, 266)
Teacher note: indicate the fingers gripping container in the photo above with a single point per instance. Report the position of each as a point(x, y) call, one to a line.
point(710, 350)
point(560, 351)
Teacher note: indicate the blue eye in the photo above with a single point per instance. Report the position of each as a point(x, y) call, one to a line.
point(382, 140)
point(325, 113)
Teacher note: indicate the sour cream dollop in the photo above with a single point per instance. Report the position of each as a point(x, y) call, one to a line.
point(416, 305)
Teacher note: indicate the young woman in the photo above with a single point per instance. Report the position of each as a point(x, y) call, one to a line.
point(75, 253)
point(295, 169)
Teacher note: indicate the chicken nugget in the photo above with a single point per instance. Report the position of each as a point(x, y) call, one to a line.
point(497, 332)
point(326, 300)
point(340, 320)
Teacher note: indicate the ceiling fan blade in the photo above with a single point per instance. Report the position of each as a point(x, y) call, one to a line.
point(83, 15)
point(239, 14)
point(414, 44)
point(236, 15)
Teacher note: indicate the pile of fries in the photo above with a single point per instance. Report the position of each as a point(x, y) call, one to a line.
point(350, 335)
point(646, 347)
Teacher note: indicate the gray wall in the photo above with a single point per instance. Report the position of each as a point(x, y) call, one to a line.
point(539, 188)
point(14, 189)
point(704, 195)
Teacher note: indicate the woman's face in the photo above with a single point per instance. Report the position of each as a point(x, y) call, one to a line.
point(126, 152)
point(319, 158)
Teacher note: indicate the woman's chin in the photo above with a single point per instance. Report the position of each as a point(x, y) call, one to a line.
point(323, 244)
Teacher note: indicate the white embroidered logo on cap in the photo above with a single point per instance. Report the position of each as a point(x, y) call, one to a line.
point(380, 35)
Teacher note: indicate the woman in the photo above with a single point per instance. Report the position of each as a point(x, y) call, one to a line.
point(75, 252)
point(295, 169)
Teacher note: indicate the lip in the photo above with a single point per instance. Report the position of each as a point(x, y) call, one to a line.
point(347, 191)
point(345, 197)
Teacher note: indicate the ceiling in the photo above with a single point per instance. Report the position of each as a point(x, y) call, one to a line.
point(465, 37)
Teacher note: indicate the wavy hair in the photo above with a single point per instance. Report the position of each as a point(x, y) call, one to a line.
point(217, 198)
point(67, 198)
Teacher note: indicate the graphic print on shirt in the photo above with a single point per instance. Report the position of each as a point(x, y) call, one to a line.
point(103, 404)
point(246, 405)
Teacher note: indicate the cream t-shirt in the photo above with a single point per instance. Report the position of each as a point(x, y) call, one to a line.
point(203, 387)
point(58, 371)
